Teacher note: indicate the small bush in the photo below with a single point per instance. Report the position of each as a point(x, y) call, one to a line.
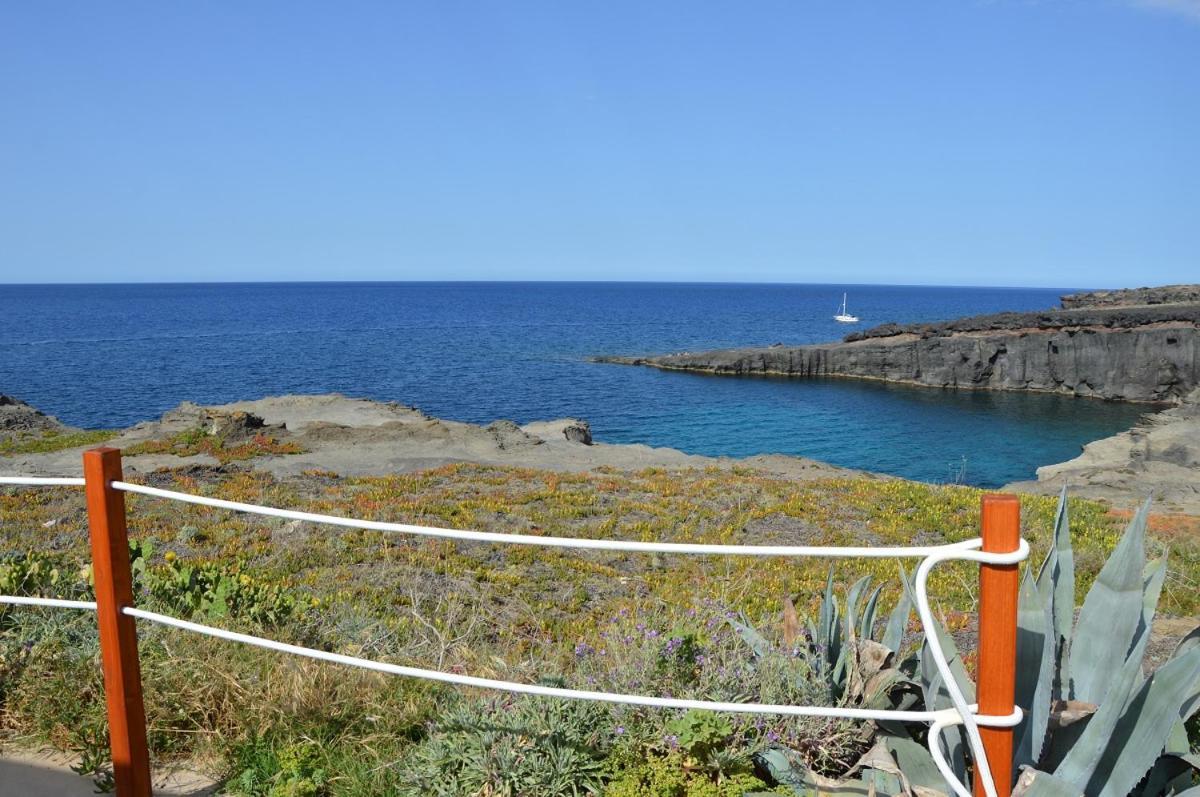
point(503, 745)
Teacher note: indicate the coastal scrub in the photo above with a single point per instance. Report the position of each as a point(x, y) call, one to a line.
point(618, 621)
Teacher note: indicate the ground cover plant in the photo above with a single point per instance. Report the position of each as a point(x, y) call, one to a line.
point(44, 442)
point(191, 442)
point(704, 627)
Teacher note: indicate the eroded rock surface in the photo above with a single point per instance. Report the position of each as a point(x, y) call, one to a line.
point(1159, 457)
point(1143, 353)
point(18, 418)
point(358, 437)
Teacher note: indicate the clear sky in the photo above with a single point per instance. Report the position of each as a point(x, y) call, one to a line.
point(1010, 142)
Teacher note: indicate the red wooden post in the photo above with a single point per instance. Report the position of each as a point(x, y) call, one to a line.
point(998, 585)
point(118, 633)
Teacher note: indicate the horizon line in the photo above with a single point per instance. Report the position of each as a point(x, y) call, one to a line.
point(547, 282)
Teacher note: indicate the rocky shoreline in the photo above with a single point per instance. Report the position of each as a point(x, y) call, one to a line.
point(1160, 457)
point(359, 437)
point(1139, 345)
point(1097, 345)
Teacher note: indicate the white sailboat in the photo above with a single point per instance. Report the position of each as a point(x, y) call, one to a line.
point(843, 316)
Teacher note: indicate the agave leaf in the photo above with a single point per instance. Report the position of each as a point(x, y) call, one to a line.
point(752, 638)
point(1056, 583)
point(878, 688)
point(1188, 642)
point(1033, 783)
point(1152, 584)
point(852, 599)
point(893, 634)
point(965, 684)
point(866, 626)
point(936, 696)
point(915, 762)
point(825, 616)
point(1035, 671)
point(1145, 726)
point(805, 782)
point(1192, 792)
point(1177, 741)
point(830, 630)
point(1110, 617)
point(1081, 761)
point(880, 772)
point(1172, 771)
point(845, 680)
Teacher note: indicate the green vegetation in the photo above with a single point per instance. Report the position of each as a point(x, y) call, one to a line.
point(46, 442)
point(697, 627)
point(191, 442)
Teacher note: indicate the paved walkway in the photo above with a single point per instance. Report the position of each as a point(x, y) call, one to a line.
point(37, 775)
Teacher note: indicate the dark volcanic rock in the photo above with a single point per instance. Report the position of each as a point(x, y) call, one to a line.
point(17, 417)
point(231, 426)
point(508, 436)
point(578, 432)
point(1098, 318)
point(1167, 294)
point(1144, 353)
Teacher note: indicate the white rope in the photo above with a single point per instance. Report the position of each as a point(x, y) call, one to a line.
point(948, 715)
point(554, 542)
point(42, 481)
point(54, 603)
point(962, 713)
point(966, 716)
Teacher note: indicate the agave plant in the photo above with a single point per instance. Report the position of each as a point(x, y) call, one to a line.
point(1095, 725)
point(855, 652)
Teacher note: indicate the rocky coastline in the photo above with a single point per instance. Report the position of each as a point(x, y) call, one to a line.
point(1111, 345)
point(291, 435)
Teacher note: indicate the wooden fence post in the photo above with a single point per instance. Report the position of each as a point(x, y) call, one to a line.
point(998, 587)
point(118, 633)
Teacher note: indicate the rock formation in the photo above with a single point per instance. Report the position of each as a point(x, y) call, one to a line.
point(1159, 456)
point(1167, 294)
point(1148, 352)
point(18, 418)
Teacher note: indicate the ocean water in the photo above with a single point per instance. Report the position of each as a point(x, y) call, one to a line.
point(111, 355)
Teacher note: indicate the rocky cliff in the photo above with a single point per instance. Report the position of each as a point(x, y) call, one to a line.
point(1130, 297)
point(1160, 457)
point(1132, 353)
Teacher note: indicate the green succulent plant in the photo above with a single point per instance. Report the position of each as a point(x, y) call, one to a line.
point(1095, 724)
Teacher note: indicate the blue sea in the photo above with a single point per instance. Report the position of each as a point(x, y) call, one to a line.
point(111, 355)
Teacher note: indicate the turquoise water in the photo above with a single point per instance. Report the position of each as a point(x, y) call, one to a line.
point(112, 355)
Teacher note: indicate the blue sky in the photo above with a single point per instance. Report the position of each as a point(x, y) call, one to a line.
point(997, 143)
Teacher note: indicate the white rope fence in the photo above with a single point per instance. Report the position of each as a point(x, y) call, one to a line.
point(962, 712)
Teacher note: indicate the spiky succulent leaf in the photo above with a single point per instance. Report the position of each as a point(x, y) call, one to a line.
point(752, 638)
point(937, 696)
point(1035, 671)
point(866, 625)
point(1082, 760)
point(1110, 617)
point(1188, 642)
point(1034, 783)
point(1056, 583)
point(1172, 772)
point(853, 597)
point(1152, 583)
point(915, 762)
point(1145, 726)
point(893, 633)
